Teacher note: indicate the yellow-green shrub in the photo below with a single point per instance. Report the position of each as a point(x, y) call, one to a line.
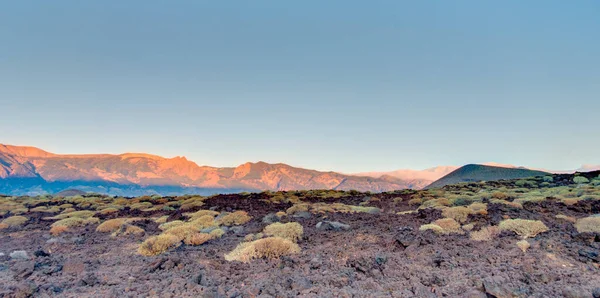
point(196, 239)
point(217, 233)
point(485, 234)
point(588, 224)
point(291, 231)
point(234, 219)
point(268, 248)
point(156, 245)
point(15, 221)
point(523, 227)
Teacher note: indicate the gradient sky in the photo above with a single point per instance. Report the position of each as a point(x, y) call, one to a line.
point(332, 85)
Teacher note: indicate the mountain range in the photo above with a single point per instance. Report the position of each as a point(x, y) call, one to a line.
point(32, 171)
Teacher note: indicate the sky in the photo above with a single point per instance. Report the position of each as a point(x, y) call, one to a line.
point(350, 86)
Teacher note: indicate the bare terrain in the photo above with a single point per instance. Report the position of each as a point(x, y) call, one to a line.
point(534, 237)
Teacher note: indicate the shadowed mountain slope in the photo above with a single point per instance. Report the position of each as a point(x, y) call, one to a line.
point(475, 173)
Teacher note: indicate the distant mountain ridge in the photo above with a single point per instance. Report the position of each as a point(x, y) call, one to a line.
point(419, 177)
point(476, 173)
point(29, 170)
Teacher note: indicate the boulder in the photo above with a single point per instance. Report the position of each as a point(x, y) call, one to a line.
point(332, 226)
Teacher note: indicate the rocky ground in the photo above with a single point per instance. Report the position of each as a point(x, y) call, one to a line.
point(378, 255)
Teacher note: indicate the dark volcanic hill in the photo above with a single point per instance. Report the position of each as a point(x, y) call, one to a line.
point(475, 173)
point(28, 170)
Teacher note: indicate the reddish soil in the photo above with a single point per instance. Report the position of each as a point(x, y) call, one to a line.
point(383, 255)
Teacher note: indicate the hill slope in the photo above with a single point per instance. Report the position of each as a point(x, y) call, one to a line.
point(28, 170)
point(475, 173)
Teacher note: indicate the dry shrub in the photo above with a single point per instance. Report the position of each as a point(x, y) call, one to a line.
point(302, 207)
point(280, 214)
point(57, 230)
point(156, 245)
point(449, 225)
point(267, 248)
point(162, 219)
point(249, 237)
point(171, 224)
point(485, 234)
point(570, 202)
point(415, 201)
point(478, 208)
point(15, 221)
point(588, 224)
point(523, 227)
point(133, 230)
point(183, 231)
point(291, 230)
point(75, 222)
point(443, 226)
point(197, 239)
point(468, 227)
point(205, 221)
point(3, 226)
point(437, 229)
point(75, 214)
point(234, 219)
point(191, 205)
point(68, 210)
point(459, 213)
point(567, 218)
point(111, 225)
point(523, 245)
point(500, 196)
point(201, 213)
point(217, 233)
point(108, 210)
point(507, 203)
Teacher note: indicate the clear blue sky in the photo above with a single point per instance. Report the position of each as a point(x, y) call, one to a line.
point(332, 85)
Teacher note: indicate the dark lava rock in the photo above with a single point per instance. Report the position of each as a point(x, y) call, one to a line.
point(332, 226)
point(570, 292)
point(474, 294)
point(25, 290)
point(405, 237)
point(302, 214)
point(90, 280)
point(41, 253)
point(496, 288)
point(23, 269)
point(596, 293)
point(237, 230)
point(270, 218)
point(590, 254)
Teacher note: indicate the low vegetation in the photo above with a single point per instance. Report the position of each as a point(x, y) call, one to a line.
point(523, 227)
point(266, 248)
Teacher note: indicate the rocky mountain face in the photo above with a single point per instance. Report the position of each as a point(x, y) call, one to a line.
point(28, 170)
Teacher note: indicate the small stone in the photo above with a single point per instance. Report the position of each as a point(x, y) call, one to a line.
point(570, 292)
point(237, 230)
point(496, 288)
point(474, 294)
point(302, 214)
point(19, 255)
point(208, 230)
point(596, 293)
point(332, 226)
point(270, 218)
point(41, 253)
point(590, 254)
